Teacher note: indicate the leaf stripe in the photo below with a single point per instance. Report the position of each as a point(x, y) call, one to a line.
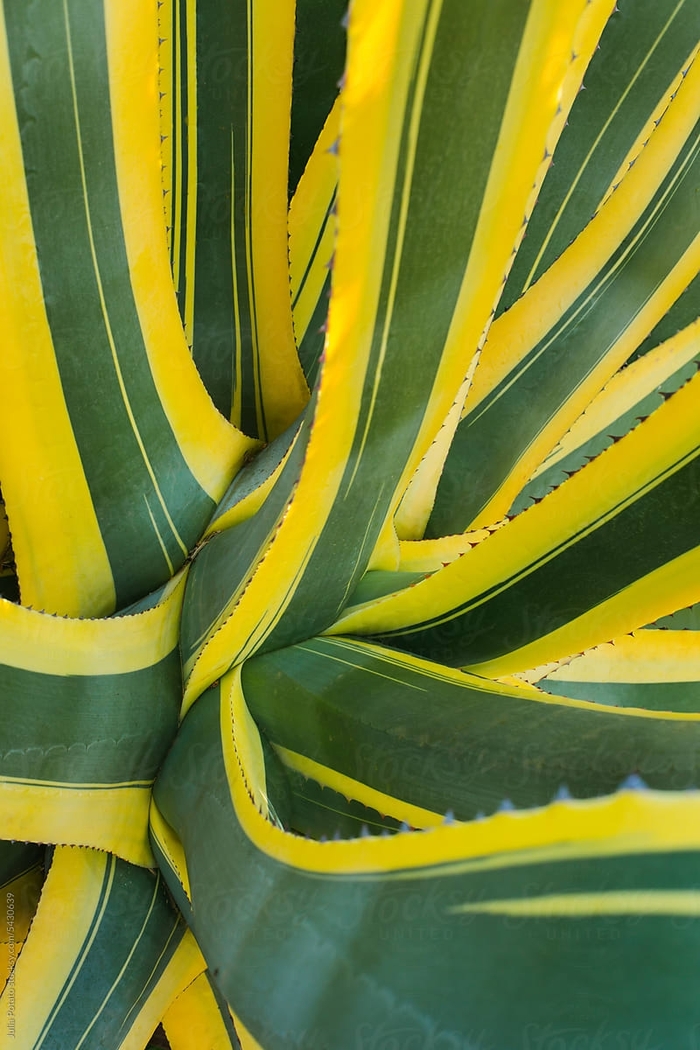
point(312, 258)
point(642, 41)
point(125, 955)
point(498, 441)
point(599, 137)
point(401, 891)
point(630, 397)
point(492, 623)
point(612, 548)
point(65, 786)
point(682, 169)
point(109, 871)
point(461, 743)
point(180, 124)
point(409, 234)
point(223, 567)
point(371, 337)
point(232, 262)
point(254, 424)
point(88, 227)
point(578, 905)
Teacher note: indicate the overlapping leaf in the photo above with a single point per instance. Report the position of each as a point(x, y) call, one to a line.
point(105, 956)
point(199, 1017)
point(90, 708)
point(116, 468)
point(408, 295)
point(636, 69)
point(410, 933)
point(312, 230)
point(427, 738)
point(112, 458)
point(227, 83)
point(658, 670)
point(611, 549)
point(549, 355)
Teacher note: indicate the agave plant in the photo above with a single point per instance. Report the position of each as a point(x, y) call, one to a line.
point(348, 649)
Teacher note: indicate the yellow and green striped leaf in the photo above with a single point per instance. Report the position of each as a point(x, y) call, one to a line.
point(312, 232)
point(112, 457)
point(684, 311)
point(630, 396)
point(408, 936)
point(610, 550)
point(644, 51)
point(444, 740)
point(90, 709)
point(655, 669)
point(319, 59)
point(385, 333)
point(223, 568)
point(227, 67)
point(199, 1018)
point(105, 956)
point(552, 352)
point(170, 858)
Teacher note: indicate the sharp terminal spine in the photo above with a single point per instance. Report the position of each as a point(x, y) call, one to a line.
point(633, 783)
